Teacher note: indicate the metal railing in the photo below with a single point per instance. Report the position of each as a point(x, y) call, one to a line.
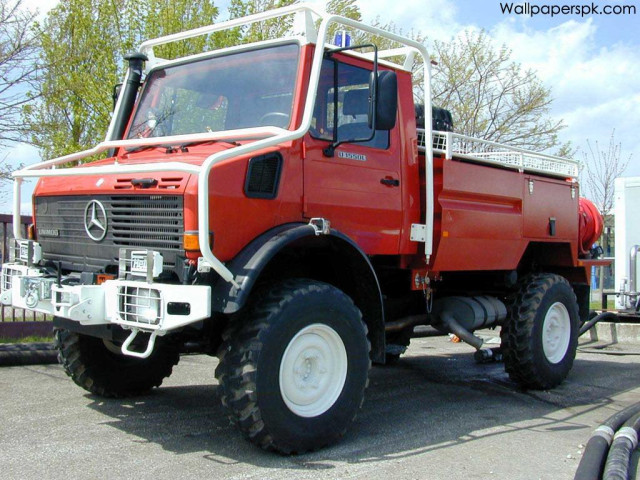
point(485, 151)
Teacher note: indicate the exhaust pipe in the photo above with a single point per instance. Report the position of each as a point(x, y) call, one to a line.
point(462, 315)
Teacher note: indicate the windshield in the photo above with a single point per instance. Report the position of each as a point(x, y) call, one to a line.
point(241, 90)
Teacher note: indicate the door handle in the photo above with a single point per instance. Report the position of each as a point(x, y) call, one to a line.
point(390, 182)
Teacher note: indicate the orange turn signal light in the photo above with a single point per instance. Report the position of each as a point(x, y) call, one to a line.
point(191, 242)
point(103, 277)
point(31, 232)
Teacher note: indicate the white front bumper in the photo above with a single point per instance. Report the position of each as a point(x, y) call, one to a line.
point(113, 302)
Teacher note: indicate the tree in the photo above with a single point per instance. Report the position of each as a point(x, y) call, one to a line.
point(601, 166)
point(492, 97)
point(81, 46)
point(345, 8)
point(259, 31)
point(17, 48)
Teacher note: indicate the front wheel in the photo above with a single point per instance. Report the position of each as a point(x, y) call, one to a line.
point(99, 367)
point(293, 374)
point(540, 335)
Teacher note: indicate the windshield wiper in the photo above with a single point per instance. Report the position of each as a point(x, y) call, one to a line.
point(184, 146)
point(169, 148)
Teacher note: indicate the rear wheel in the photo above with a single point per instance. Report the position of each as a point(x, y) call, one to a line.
point(99, 367)
point(540, 336)
point(293, 374)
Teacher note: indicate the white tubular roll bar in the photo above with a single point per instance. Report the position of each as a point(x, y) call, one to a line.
point(265, 136)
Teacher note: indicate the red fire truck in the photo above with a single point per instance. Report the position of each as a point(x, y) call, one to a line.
point(289, 206)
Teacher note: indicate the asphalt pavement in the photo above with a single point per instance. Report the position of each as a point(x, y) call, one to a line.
point(436, 414)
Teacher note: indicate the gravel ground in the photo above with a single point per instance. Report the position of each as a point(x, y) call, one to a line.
point(436, 414)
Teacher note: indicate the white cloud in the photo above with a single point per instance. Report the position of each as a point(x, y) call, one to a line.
point(436, 18)
point(595, 88)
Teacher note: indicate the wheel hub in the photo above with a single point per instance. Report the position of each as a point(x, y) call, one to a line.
point(313, 370)
point(556, 332)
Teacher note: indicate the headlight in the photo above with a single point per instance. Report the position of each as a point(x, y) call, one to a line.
point(140, 305)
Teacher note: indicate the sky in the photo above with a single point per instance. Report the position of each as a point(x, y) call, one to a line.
point(591, 62)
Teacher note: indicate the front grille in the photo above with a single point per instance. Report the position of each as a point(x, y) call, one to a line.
point(153, 222)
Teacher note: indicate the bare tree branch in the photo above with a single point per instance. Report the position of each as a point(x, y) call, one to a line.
point(601, 166)
point(17, 71)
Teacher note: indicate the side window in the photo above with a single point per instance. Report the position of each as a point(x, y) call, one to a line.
point(344, 117)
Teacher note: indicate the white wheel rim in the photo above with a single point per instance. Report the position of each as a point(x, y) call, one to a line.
point(556, 332)
point(313, 370)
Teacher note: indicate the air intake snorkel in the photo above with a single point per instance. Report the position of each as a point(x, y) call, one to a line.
point(128, 94)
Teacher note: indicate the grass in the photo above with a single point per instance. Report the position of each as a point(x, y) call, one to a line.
point(597, 305)
point(31, 339)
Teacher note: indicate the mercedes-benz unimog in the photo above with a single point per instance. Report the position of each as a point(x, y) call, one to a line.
point(288, 206)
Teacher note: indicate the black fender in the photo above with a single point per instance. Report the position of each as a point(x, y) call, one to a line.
point(351, 271)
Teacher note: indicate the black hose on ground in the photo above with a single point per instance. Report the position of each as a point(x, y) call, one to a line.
point(14, 354)
point(625, 442)
point(593, 460)
point(603, 316)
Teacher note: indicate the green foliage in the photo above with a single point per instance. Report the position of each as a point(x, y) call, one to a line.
point(164, 17)
point(267, 30)
point(82, 44)
point(77, 60)
point(345, 8)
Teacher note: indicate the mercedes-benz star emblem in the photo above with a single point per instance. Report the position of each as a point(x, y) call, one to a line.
point(95, 220)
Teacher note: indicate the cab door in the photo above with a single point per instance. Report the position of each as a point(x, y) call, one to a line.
point(358, 189)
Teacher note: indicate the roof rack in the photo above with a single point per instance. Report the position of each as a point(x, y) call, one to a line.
point(455, 145)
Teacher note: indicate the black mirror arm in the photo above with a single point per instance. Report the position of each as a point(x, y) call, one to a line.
point(330, 150)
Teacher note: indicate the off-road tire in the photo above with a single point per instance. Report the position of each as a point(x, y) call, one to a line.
point(538, 298)
point(253, 360)
point(92, 366)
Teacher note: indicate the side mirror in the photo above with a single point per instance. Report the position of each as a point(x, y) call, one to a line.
point(383, 107)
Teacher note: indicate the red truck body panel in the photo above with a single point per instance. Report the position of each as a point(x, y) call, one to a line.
point(485, 216)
